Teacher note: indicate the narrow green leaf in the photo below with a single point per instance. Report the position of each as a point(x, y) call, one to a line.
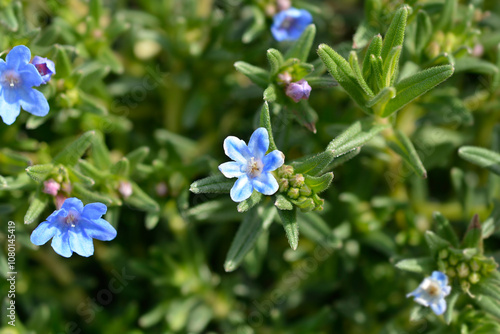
point(444, 229)
point(374, 49)
point(435, 242)
point(489, 305)
point(482, 157)
point(270, 93)
point(100, 153)
point(396, 32)
point(257, 27)
point(89, 169)
point(289, 219)
point(141, 200)
point(452, 300)
point(259, 76)
point(447, 16)
point(417, 265)
point(380, 100)
point(137, 156)
point(340, 69)
point(39, 172)
point(412, 87)
point(62, 62)
point(265, 122)
point(282, 203)
point(475, 65)
point(345, 136)
point(360, 139)
point(488, 287)
point(353, 61)
point(391, 66)
point(377, 69)
point(70, 154)
point(95, 10)
point(121, 167)
point(251, 227)
point(35, 209)
point(301, 48)
point(423, 32)
point(403, 146)
point(76, 176)
point(275, 59)
point(315, 164)
point(250, 202)
point(217, 184)
point(90, 196)
point(321, 82)
point(152, 219)
point(314, 227)
point(8, 18)
point(339, 160)
point(320, 183)
point(473, 237)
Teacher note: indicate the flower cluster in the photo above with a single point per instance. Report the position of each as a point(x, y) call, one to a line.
point(295, 188)
point(17, 78)
point(72, 228)
point(251, 165)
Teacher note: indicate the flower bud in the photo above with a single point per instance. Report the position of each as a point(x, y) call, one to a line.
point(125, 189)
point(293, 193)
point(45, 67)
point(453, 260)
point(305, 191)
point(305, 204)
point(299, 90)
point(285, 171)
point(475, 265)
point(443, 254)
point(283, 183)
point(474, 278)
point(463, 270)
point(51, 187)
point(297, 180)
point(161, 189)
point(284, 78)
point(450, 272)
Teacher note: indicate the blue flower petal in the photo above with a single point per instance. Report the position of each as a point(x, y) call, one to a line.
point(43, 233)
point(80, 242)
point(242, 189)
point(8, 111)
point(18, 55)
point(266, 184)
point(440, 277)
point(279, 34)
point(236, 149)
point(94, 210)
point(98, 229)
point(439, 307)
point(273, 160)
point(259, 143)
point(72, 203)
point(34, 102)
point(231, 169)
point(30, 76)
point(60, 244)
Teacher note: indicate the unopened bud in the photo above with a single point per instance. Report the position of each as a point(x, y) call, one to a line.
point(443, 254)
point(474, 278)
point(293, 193)
point(283, 183)
point(305, 190)
point(51, 187)
point(125, 189)
point(285, 171)
point(463, 270)
point(299, 90)
point(297, 180)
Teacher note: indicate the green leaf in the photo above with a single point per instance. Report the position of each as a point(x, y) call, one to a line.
point(473, 237)
point(374, 49)
point(73, 152)
point(377, 69)
point(90, 196)
point(289, 219)
point(121, 167)
point(217, 184)
point(250, 202)
point(314, 227)
point(35, 209)
point(275, 59)
point(444, 229)
point(8, 18)
point(152, 219)
point(100, 152)
point(137, 156)
point(435, 242)
point(396, 33)
point(258, 25)
point(89, 169)
point(391, 66)
point(254, 223)
point(412, 87)
point(320, 183)
point(402, 145)
point(321, 82)
point(259, 76)
point(359, 139)
point(345, 136)
point(301, 48)
point(282, 203)
point(488, 287)
point(482, 157)
point(489, 305)
point(424, 31)
point(446, 19)
point(39, 172)
point(475, 65)
point(75, 174)
point(452, 300)
point(340, 69)
point(353, 61)
point(313, 165)
point(265, 122)
point(62, 62)
point(339, 160)
point(417, 265)
point(270, 93)
point(141, 200)
point(380, 100)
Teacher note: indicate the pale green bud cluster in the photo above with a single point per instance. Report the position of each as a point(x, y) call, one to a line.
point(294, 187)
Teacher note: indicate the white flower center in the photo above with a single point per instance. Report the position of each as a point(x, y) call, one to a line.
point(71, 218)
point(10, 78)
point(432, 288)
point(254, 167)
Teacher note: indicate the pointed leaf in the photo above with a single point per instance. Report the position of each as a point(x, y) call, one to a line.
point(435, 242)
point(217, 184)
point(374, 49)
point(353, 61)
point(137, 156)
point(265, 122)
point(270, 93)
point(289, 220)
point(402, 145)
point(275, 59)
point(360, 139)
point(391, 66)
point(473, 237)
point(444, 229)
point(345, 136)
point(258, 76)
point(424, 31)
point(73, 152)
point(320, 183)
point(481, 157)
point(90, 196)
point(301, 48)
point(490, 305)
point(396, 32)
point(35, 209)
point(282, 203)
point(313, 165)
point(141, 200)
point(452, 300)
point(121, 167)
point(100, 152)
point(39, 172)
point(249, 203)
point(418, 265)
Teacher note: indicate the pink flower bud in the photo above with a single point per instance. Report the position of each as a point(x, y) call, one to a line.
point(51, 187)
point(125, 189)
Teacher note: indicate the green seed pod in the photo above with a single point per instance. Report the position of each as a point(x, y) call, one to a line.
point(293, 193)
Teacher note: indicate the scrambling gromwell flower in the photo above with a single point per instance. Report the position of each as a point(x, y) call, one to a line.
point(45, 67)
point(299, 90)
point(432, 291)
point(51, 187)
point(251, 165)
point(72, 228)
point(17, 77)
point(289, 24)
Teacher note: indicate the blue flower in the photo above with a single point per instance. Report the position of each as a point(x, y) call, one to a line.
point(289, 24)
point(45, 67)
point(72, 228)
point(251, 166)
point(431, 292)
point(299, 90)
point(17, 77)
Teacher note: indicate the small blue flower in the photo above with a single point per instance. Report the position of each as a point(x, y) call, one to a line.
point(431, 292)
point(17, 77)
point(45, 67)
point(251, 165)
point(72, 228)
point(299, 90)
point(289, 24)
